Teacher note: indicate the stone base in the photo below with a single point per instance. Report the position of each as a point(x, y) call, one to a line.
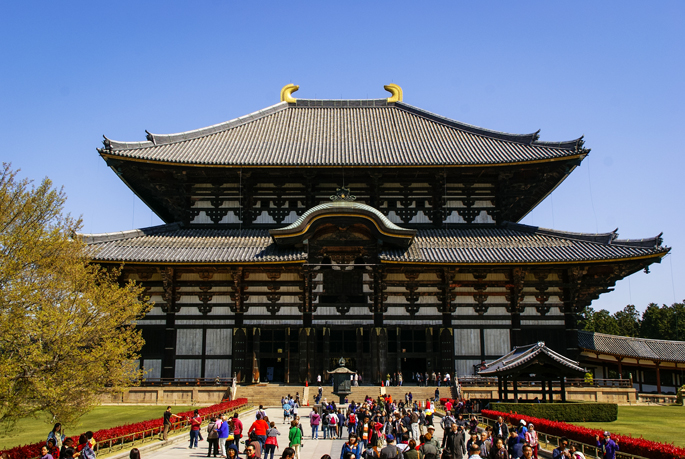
point(169, 395)
point(620, 395)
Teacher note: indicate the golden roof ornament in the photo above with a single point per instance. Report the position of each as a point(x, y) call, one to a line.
point(286, 93)
point(396, 92)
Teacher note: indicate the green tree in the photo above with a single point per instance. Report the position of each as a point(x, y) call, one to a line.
point(67, 331)
point(654, 322)
point(628, 321)
point(600, 321)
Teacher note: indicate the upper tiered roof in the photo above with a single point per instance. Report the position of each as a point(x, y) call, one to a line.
point(324, 133)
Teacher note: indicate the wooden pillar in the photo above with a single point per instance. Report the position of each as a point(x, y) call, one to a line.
point(505, 384)
point(544, 391)
point(562, 380)
point(287, 355)
point(658, 378)
point(499, 387)
point(326, 352)
point(515, 382)
point(551, 390)
point(256, 335)
point(620, 367)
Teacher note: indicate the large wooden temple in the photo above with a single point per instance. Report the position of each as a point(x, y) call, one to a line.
point(366, 229)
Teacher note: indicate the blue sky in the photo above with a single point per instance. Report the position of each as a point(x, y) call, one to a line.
point(612, 71)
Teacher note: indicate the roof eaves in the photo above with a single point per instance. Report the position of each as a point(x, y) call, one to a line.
point(98, 238)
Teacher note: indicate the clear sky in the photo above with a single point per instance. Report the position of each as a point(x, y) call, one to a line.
point(611, 70)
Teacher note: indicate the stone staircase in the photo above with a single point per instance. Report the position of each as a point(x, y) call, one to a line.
point(269, 394)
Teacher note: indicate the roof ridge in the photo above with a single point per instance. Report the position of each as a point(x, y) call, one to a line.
point(630, 338)
point(599, 238)
point(164, 139)
point(525, 139)
point(95, 238)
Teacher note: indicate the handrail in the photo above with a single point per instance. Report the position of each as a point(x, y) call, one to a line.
point(590, 451)
point(108, 445)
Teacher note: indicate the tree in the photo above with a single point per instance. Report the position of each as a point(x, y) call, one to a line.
point(67, 331)
point(628, 321)
point(600, 321)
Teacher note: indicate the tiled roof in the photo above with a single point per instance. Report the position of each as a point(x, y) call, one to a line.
point(172, 244)
point(519, 356)
point(510, 244)
point(516, 243)
point(653, 349)
point(343, 132)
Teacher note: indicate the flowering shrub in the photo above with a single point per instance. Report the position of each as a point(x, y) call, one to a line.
point(631, 445)
point(129, 430)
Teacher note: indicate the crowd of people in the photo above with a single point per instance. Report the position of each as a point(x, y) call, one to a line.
point(380, 428)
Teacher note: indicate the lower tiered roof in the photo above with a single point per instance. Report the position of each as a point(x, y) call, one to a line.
point(624, 346)
point(507, 244)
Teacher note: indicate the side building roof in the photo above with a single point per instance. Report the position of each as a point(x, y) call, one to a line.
point(502, 245)
point(624, 346)
point(323, 133)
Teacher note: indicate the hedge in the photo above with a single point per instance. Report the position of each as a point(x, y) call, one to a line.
point(566, 412)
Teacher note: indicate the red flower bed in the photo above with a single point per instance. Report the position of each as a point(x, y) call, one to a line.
point(102, 436)
point(631, 445)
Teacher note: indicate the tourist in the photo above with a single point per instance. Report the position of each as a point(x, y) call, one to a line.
point(500, 450)
point(527, 452)
point(232, 451)
point(562, 450)
point(52, 448)
point(351, 420)
point(352, 446)
point(57, 435)
point(474, 452)
point(295, 438)
point(289, 453)
point(333, 425)
point(412, 452)
point(430, 449)
point(271, 441)
point(522, 428)
point(195, 424)
point(390, 451)
point(167, 423)
point(260, 412)
point(607, 445)
point(222, 428)
point(341, 423)
point(251, 451)
point(574, 453)
point(45, 454)
point(501, 429)
point(364, 431)
point(515, 444)
point(84, 448)
point(237, 429)
point(254, 442)
point(286, 411)
point(314, 421)
point(67, 451)
point(134, 454)
point(259, 427)
point(532, 439)
point(455, 442)
point(485, 444)
point(212, 437)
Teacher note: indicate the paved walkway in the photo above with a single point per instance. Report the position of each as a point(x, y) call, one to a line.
point(312, 449)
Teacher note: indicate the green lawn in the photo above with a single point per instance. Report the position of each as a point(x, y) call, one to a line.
point(664, 424)
point(30, 430)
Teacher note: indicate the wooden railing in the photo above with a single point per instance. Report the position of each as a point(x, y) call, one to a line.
point(549, 442)
point(111, 445)
point(186, 382)
point(469, 381)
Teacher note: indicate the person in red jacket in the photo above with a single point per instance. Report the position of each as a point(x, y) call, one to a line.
point(237, 429)
point(259, 427)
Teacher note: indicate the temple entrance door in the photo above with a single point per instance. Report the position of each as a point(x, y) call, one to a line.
point(271, 370)
point(410, 366)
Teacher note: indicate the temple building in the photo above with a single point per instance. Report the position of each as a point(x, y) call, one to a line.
point(370, 230)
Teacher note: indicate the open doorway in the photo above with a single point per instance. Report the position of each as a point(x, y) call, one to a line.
point(271, 370)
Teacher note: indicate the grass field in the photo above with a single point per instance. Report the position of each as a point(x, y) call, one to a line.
point(30, 430)
point(664, 424)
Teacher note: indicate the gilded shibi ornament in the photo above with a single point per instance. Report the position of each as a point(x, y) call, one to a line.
point(343, 194)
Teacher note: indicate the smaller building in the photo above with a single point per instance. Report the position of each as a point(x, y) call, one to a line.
point(654, 365)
